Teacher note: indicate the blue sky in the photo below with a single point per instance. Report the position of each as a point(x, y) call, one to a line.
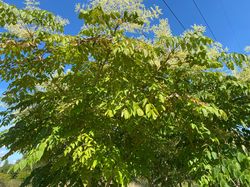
point(229, 20)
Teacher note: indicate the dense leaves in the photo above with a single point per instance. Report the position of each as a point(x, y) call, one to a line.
point(102, 108)
point(10, 178)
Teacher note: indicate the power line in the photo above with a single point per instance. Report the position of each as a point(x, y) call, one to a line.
point(179, 21)
point(230, 24)
point(204, 19)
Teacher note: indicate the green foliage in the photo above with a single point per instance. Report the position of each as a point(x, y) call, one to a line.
point(4, 177)
point(244, 74)
point(10, 178)
point(10, 15)
point(232, 170)
point(103, 108)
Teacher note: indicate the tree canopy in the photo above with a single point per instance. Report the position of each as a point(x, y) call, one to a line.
point(122, 100)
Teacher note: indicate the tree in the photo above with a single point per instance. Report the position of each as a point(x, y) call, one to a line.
point(10, 178)
point(111, 105)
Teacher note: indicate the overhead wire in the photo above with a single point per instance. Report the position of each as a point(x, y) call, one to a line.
point(204, 19)
point(176, 17)
point(229, 24)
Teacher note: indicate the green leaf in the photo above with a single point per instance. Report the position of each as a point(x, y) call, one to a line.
point(140, 112)
point(126, 114)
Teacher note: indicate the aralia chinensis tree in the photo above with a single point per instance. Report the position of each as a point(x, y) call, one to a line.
point(111, 105)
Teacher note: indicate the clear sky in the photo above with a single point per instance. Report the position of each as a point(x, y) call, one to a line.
point(229, 20)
